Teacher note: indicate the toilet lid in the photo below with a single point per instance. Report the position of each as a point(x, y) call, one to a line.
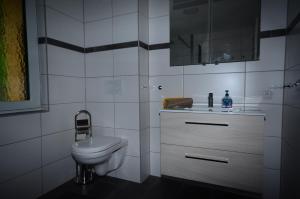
point(95, 144)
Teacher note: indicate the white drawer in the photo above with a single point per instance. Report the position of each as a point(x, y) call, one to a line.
point(226, 132)
point(230, 169)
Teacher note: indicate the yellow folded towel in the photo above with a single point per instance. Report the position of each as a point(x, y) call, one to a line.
point(177, 102)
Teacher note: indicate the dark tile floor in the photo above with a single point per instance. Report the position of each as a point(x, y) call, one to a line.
point(153, 187)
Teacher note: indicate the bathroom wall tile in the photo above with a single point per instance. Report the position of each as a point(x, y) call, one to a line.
point(155, 140)
point(102, 114)
point(125, 28)
point(143, 62)
point(41, 25)
point(272, 151)
point(127, 116)
point(99, 64)
point(155, 107)
point(145, 142)
point(270, 58)
point(28, 186)
point(273, 122)
point(99, 89)
point(10, 132)
point(65, 62)
point(143, 28)
point(57, 146)
point(129, 91)
point(159, 63)
point(217, 84)
point(64, 28)
point(292, 48)
point(122, 7)
point(99, 33)
point(103, 131)
point(97, 10)
point(232, 67)
point(292, 95)
point(24, 157)
point(271, 188)
point(155, 164)
point(143, 8)
point(145, 166)
point(72, 8)
point(293, 10)
point(59, 118)
point(273, 14)
point(126, 61)
point(58, 173)
point(144, 88)
point(133, 138)
point(65, 89)
point(171, 86)
point(144, 115)
point(159, 30)
point(290, 133)
point(130, 169)
point(264, 87)
point(158, 8)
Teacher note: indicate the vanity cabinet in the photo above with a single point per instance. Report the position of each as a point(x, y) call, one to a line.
point(221, 149)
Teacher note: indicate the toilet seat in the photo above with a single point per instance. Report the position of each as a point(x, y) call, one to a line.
point(96, 144)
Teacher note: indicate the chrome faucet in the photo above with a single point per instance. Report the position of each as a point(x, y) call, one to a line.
point(83, 126)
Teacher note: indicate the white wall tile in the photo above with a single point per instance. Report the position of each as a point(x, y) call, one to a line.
point(99, 33)
point(145, 143)
point(126, 61)
point(232, 67)
point(65, 89)
point(65, 62)
point(64, 28)
point(155, 107)
point(125, 28)
point(103, 131)
point(28, 186)
point(57, 146)
point(171, 86)
point(143, 8)
point(121, 7)
point(99, 64)
point(272, 53)
point(58, 173)
point(271, 188)
point(28, 126)
point(145, 166)
point(159, 30)
point(143, 28)
point(158, 8)
point(144, 89)
point(59, 118)
point(72, 8)
point(144, 115)
point(273, 121)
point(130, 169)
point(155, 140)
point(102, 114)
point(143, 62)
point(272, 151)
point(292, 95)
point(97, 9)
point(155, 164)
point(264, 87)
point(292, 48)
point(127, 115)
point(133, 138)
point(41, 25)
point(19, 158)
point(98, 89)
point(159, 63)
point(129, 91)
point(273, 14)
point(198, 87)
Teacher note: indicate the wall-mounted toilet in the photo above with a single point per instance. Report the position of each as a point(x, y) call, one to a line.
point(95, 154)
point(104, 153)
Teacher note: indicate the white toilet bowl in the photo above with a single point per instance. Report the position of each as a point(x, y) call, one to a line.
point(104, 153)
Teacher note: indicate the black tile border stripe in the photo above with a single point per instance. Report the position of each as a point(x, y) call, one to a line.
point(54, 42)
point(159, 46)
point(272, 33)
point(293, 24)
point(111, 47)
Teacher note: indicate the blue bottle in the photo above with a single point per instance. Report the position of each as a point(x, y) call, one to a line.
point(227, 101)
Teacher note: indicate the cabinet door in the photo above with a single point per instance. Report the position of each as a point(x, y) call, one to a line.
point(234, 30)
point(189, 28)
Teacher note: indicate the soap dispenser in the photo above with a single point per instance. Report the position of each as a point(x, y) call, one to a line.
point(227, 101)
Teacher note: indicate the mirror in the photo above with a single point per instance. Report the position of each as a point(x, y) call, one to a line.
point(213, 31)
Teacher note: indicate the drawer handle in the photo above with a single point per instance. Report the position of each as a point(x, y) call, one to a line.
point(207, 158)
point(208, 124)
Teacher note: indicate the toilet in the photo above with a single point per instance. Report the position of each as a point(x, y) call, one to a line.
point(99, 154)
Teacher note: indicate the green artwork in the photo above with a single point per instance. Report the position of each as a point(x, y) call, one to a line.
point(13, 52)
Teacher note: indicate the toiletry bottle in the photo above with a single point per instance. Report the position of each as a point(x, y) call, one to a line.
point(227, 101)
point(210, 100)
